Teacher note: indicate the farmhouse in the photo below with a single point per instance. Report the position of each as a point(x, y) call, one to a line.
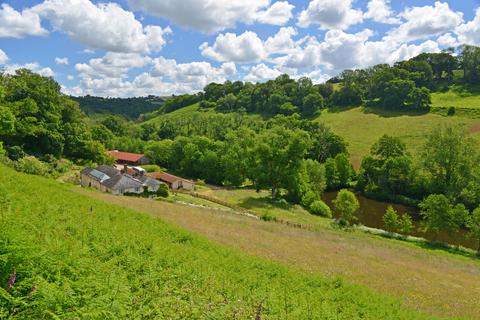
point(133, 159)
point(172, 181)
point(109, 179)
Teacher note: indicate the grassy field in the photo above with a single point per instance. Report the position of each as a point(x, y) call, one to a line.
point(430, 281)
point(458, 97)
point(361, 128)
point(80, 258)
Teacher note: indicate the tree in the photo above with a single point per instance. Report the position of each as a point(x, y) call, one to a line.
point(391, 220)
point(344, 169)
point(405, 224)
point(396, 93)
point(7, 121)
point(103, 134)
point(331, 174)
point(346, 204)
point(160, 152)
point(439, 215)
point(448, 157)
point(473, 224)
point(278, 156)
point(388, 147)
point(311, 104)
point(419, 98)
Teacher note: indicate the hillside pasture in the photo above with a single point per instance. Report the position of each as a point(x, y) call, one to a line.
point(362, 127)
point(79, 258)
point(438, 283)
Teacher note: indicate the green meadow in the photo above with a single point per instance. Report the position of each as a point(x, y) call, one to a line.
point(78, 258)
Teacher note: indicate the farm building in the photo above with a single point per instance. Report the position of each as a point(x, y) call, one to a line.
point(109, 179)
point(133, 159)
point(172, 181)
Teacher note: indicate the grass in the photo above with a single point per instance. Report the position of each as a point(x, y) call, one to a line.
point(458, 97)
point(431, 281)
point(362, 127)
point(261, 205)
point(82, 258)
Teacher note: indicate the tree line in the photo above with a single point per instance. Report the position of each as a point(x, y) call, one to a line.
point(36, 119)
point(404, 86)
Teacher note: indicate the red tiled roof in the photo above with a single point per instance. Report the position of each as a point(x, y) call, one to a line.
point(163, 176)
point(126, 156)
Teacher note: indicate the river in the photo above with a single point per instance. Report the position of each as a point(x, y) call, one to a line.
point(371, 213)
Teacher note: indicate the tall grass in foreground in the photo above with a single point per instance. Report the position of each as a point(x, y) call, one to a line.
point(84, 259)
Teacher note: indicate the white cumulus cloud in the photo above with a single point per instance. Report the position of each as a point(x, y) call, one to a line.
point(330, 14)
point(215, 15)
point(380, 11)
point(469, 33)
point(102, 26)
point(3, 57)
point(19, 24)
point(424, 22)
point(278, 14)
point(63, 60)
point(244, 48)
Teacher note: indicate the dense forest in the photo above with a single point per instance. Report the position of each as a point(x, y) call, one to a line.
point(286, 152)
point(127, 107)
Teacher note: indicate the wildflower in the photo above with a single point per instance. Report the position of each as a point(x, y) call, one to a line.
point(12, 280)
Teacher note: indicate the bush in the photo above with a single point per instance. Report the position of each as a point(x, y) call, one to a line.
point(151, 168)
point(451, 111)
point(268, 217)
point(163, 191)
point(320, 208)
point(32, 165)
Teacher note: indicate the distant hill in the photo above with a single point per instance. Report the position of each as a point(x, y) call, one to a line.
point(127, 107)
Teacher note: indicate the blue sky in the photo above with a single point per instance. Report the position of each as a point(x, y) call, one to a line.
point(141, 47)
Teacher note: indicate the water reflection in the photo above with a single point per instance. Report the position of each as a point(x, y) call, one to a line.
point(371, 213)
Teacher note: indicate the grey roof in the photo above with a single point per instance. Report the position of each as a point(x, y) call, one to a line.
point(122, 181)
point(149, 181)
point(108, 170)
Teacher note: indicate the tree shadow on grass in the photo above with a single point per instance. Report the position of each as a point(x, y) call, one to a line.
point(264, 203)
point(338, 109)
point(391, 113)
point(436, 246)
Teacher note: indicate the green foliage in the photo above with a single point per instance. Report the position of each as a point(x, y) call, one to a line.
point(163, 191)
point(439, 214)
point(32, 165)
point(338, 171)
point(279, 154)
point(320, 208)
point(391, 219)
point(151, 167)
point(131, 107)
point(159, 152)
point(405, 224)
point(346, 204)
point(473, 223)
point(388, 147)
point(76, 257)
point(448, 158)
point(37, 119)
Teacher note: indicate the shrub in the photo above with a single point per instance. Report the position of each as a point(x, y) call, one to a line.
point(405, 224)
point(451, 111)
point(268, 216)
point(391, 220)
point(163, 191)
point(346, 204)
point(320, 208)
point(32, 165)
point(151, 168)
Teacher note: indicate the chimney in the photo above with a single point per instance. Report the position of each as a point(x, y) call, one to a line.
point(125, 168)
